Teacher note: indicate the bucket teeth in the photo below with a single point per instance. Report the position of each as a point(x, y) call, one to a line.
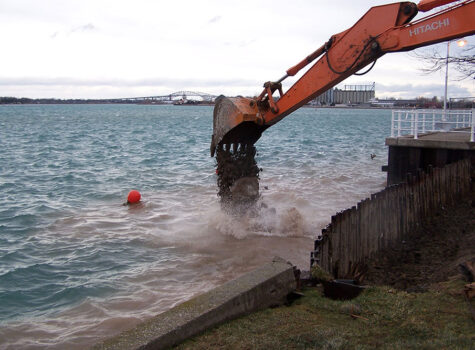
point(234, 147)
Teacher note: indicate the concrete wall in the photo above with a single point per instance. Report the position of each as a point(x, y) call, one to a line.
point(404, 160)
point(266, 286)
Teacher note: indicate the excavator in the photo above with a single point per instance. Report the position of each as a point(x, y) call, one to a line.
point(240, 121)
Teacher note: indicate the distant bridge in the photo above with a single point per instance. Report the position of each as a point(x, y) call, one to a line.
point(179, 95)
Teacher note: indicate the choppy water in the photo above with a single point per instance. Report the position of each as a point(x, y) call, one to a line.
point(76, 266)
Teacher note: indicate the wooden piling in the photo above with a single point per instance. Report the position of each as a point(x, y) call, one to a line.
point(390, 215)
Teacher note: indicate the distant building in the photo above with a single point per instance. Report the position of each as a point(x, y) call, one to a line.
point(374, 102)
point(462, 102)
point(350, 94)
point(419, 102)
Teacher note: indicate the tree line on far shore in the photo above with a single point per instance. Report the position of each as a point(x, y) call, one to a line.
point(25, 100)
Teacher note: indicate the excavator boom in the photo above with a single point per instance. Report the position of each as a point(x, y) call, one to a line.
point(383, 29)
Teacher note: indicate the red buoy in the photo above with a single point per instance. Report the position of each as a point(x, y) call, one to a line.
point(133, 197)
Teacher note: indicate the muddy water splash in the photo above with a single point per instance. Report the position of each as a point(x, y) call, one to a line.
point(238, 178)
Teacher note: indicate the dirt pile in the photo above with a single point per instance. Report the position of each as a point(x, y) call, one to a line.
point(432, 254)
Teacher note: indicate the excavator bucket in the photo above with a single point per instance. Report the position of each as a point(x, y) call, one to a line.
point(236, 121)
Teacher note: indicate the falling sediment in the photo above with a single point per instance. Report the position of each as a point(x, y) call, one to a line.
point(238, 177)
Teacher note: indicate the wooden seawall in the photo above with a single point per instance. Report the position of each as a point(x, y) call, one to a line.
point(388, 217)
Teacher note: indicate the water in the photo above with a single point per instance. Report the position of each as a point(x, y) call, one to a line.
point(76, 266)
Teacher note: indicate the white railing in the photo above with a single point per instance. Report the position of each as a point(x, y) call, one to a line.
point(420, 121)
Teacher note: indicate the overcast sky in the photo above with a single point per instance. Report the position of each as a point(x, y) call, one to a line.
point(127, 48)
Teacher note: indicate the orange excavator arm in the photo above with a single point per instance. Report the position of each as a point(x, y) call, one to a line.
point(383, 29)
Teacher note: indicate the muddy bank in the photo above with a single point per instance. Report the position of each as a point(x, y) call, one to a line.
point(433, 253)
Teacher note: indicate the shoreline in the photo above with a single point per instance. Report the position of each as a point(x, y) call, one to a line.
point(209, 105)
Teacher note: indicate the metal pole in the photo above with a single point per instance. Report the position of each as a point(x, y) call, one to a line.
point(446, 78)
point(472, 134)
point(399, 125)
point(423, 122)
point(392, 123)
point(416, 115)
point(412, 123)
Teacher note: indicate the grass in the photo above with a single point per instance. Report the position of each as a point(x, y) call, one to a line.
point(387, 319)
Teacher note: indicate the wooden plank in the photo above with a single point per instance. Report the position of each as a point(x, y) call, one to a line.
point(382, 219)
point(392, 215)
point(354, 235)
point(351, 246)
point(363, 224)
point(373, 223)
point(407, 203)
point(378, 218)
point(367, 227)
point(336, 253)
point(345, 242)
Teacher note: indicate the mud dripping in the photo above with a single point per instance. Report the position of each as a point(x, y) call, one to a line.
point(238, 178)
point(247, 211)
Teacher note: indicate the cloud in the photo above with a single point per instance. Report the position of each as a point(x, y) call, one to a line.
point(84, 28)
point(89, 27)
point(121, 88)
point(162, 83)
point(215, 19)
point(415, 90)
